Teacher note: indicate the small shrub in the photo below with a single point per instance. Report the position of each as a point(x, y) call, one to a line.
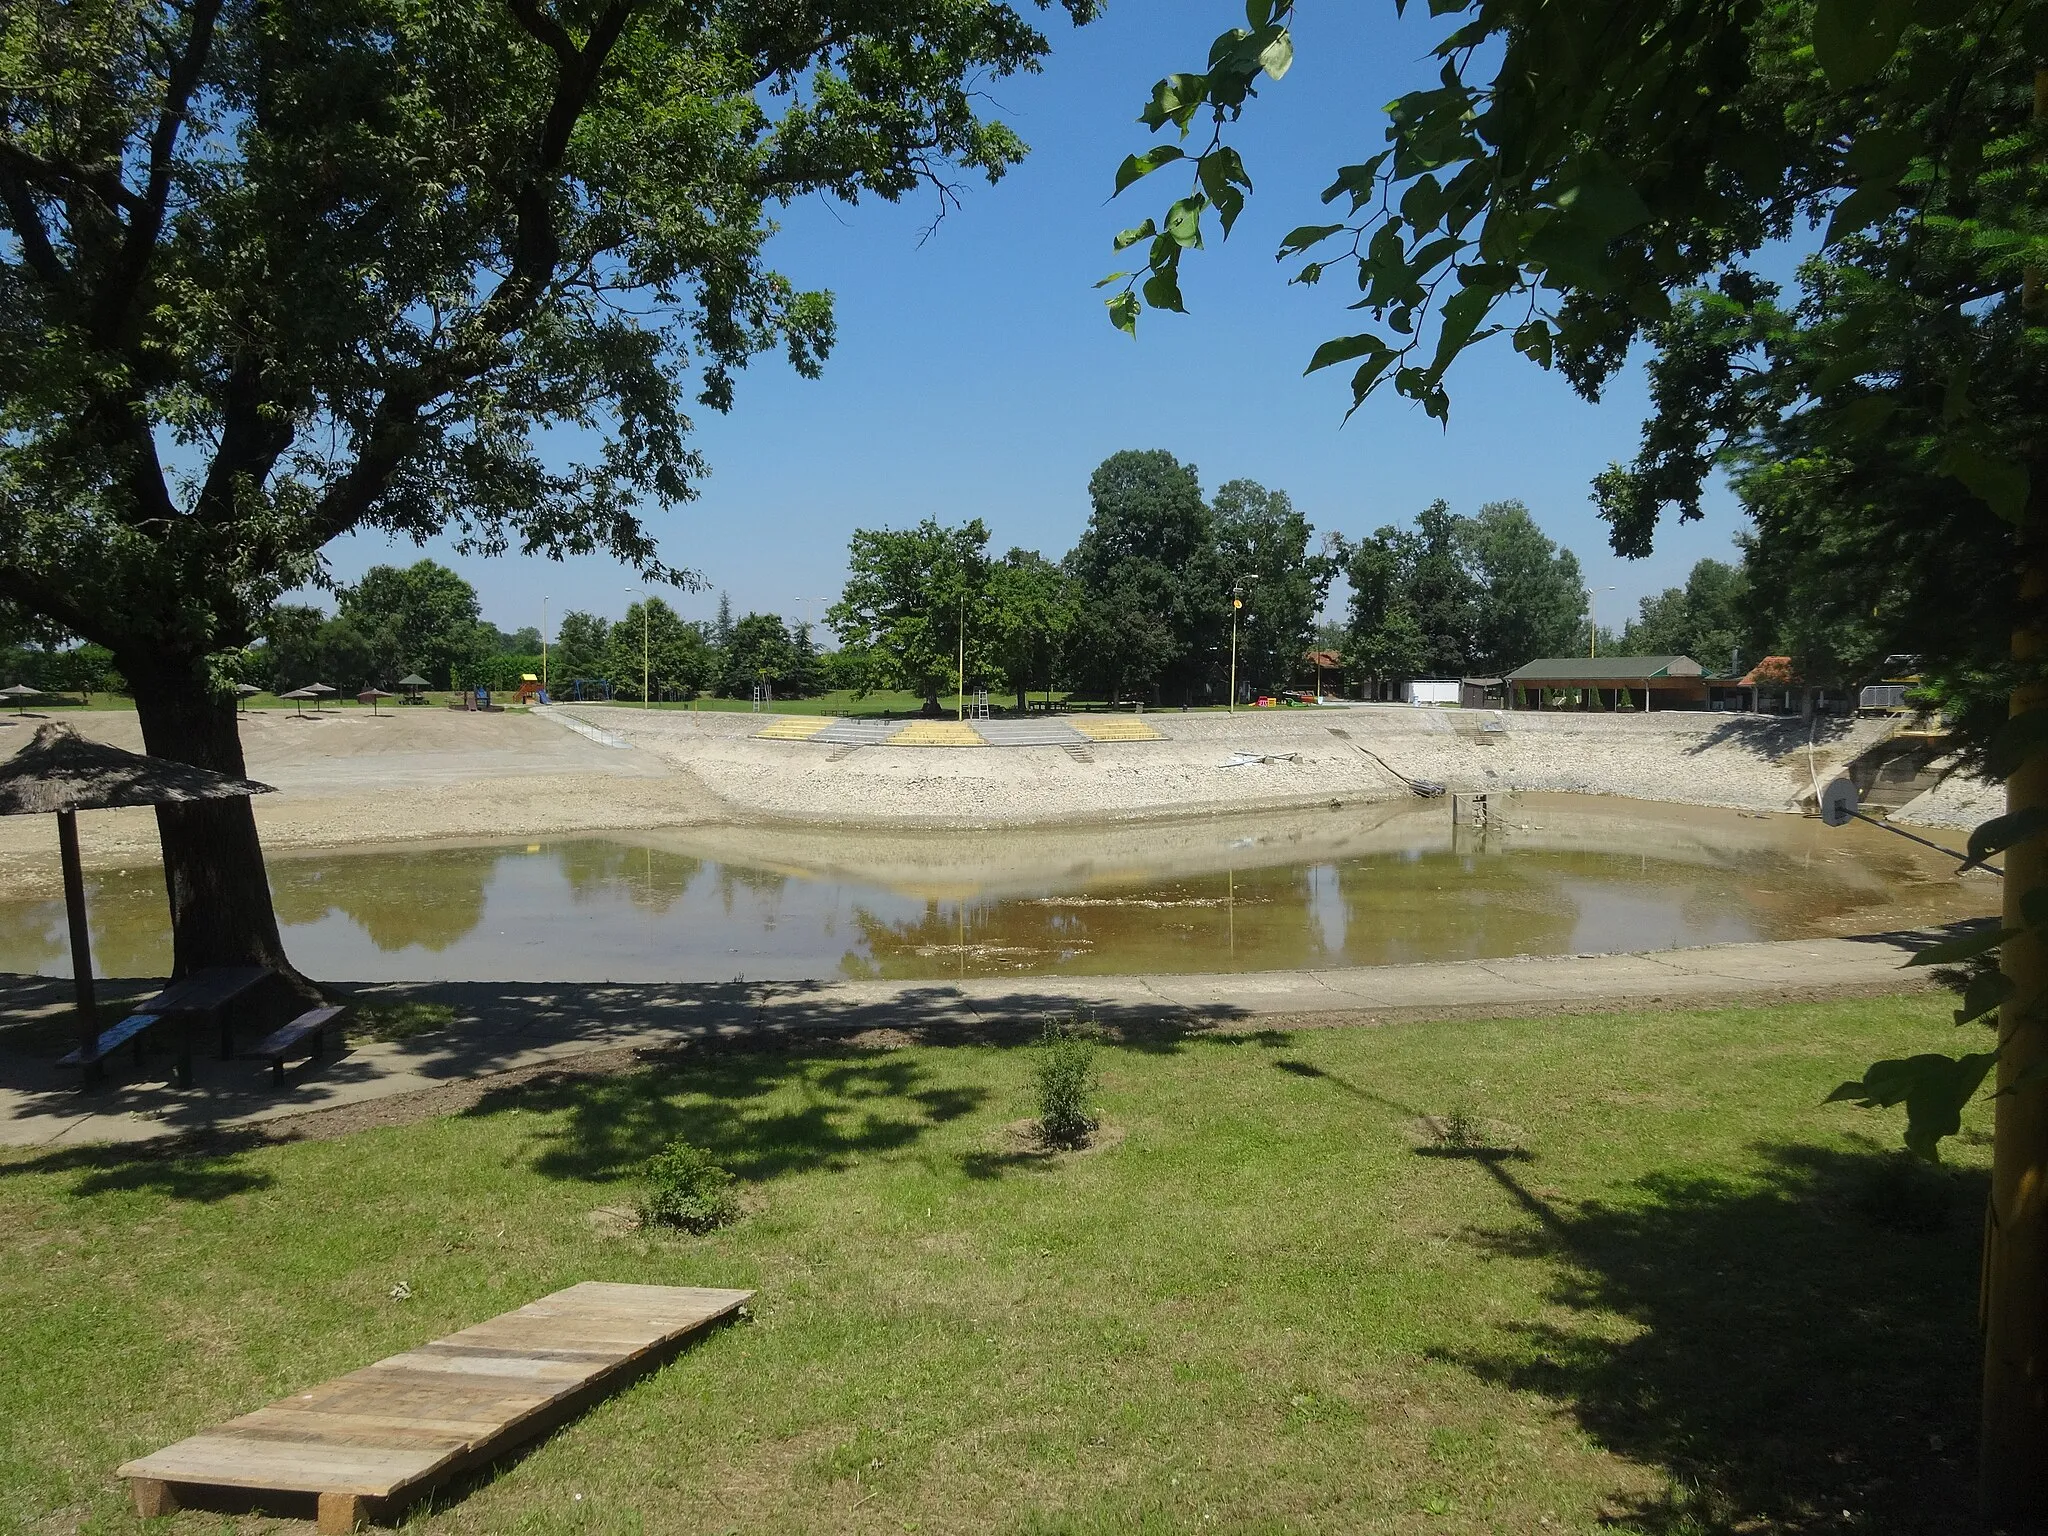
point(1064, 1080)
point(1461, 1128)
point(686, 1189)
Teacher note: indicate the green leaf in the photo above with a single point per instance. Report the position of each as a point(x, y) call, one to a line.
point(1277, 57)
point(1184, 222)
point(1368, 375)
point(1533, 341)
point(1933, 1088)
point(1603, 205)
point(1131, 237)
point(1299, 240)
point(1968, 947)
point(2001, 484)
point(1861, 209)
point(1222, 173)
point(1257, 13)
point(1341, 349)
point(1461, 316)
point(1863, 417)
point(1162, 290)
point(1123, 313)
point(1137, 167)
point(1854, 39)
point(2007, 831)
point(1174, 100)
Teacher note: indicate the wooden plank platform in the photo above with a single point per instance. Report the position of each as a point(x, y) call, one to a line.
point(378, 1437)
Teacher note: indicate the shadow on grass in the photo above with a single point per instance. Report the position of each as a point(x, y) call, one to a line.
point(1802, 1355)
point(200, 1169)
point(848, 1103)
point(1799, 1350)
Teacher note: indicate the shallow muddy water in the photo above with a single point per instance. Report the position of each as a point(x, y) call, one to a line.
point(1372, 884)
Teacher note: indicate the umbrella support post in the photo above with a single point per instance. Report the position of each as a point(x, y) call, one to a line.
point(81, 942)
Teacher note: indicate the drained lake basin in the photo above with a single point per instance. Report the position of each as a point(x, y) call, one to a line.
point(1349, 885)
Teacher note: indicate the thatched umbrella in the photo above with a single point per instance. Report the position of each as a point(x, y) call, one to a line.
point(19, 692)
point(299, 696)
point(242, 693)
point(412, 683)
point(370, 696)
point(60, 771)
point(314, 692)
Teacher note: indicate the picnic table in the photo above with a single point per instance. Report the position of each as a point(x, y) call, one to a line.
point(197, 1001)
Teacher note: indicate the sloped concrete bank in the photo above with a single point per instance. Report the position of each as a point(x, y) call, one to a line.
point(1216, 764)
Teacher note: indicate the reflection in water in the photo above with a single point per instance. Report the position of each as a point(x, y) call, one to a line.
point(430, 897)
point(1397, 886)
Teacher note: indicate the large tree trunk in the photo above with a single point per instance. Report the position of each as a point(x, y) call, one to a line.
point(2013, 1475)
point(221, 912)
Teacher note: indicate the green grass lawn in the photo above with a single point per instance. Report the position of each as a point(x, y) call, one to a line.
point(1671, 1294)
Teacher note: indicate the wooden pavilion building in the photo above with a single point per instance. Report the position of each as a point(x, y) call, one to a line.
point(1608, 682)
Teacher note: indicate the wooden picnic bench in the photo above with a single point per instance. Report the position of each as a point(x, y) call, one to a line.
point(366, 1443)
point(128, 1032)
point(192, 1002)
point(282, 1044)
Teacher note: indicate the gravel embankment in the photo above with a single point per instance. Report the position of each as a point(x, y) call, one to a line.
point(1740, 762)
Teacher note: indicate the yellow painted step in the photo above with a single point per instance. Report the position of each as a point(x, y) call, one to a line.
point(1114, 728)
point(937, 733)
point(794, 727)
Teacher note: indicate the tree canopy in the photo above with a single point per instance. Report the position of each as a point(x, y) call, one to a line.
point(273, 274)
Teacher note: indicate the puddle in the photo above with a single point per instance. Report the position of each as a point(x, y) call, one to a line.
point(1376, 884)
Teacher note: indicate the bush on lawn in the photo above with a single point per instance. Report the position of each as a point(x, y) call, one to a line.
point(1064, 1077)
point(687, 1190)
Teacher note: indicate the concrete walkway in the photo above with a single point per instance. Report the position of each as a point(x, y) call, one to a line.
point(506, 1026)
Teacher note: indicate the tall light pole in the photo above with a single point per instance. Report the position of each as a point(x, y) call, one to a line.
point(1236, 602)
point(960, 698)
point(543, 642)
point(1592, 622)
point(646, 644)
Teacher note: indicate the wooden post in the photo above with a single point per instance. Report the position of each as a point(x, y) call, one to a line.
point(153, 1498)
point(81, 938)
point(340, 1513)
point(2012, 1477)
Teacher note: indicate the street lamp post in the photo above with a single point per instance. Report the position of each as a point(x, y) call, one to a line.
point(544, 643)
point(1592, 620)
point(960, 698)
point(1236, 602)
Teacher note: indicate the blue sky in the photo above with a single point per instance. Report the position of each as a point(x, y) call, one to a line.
point(975, 373)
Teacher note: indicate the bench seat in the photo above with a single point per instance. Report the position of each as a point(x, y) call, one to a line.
point(112, 1039)
point(282, 1044)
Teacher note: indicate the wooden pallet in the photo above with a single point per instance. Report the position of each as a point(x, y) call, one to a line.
point(373, 1440)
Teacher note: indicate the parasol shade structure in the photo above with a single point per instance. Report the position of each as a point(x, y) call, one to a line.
point(243, 691)
point(299, 696)
point(59, 772)
point(316, 691)
point(370, 696)
point(412, 683)
point(19, 692)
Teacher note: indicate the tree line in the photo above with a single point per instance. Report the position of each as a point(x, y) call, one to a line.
point(1142, 607)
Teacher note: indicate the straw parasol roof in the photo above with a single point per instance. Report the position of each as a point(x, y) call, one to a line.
point(59, 770)
point(318, 688)
point(21, 691)
point(245, 689)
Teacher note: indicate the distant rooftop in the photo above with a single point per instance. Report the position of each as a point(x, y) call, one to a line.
point(1604, 669)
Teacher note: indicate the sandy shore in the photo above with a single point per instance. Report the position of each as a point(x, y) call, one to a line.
point(412, 775)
